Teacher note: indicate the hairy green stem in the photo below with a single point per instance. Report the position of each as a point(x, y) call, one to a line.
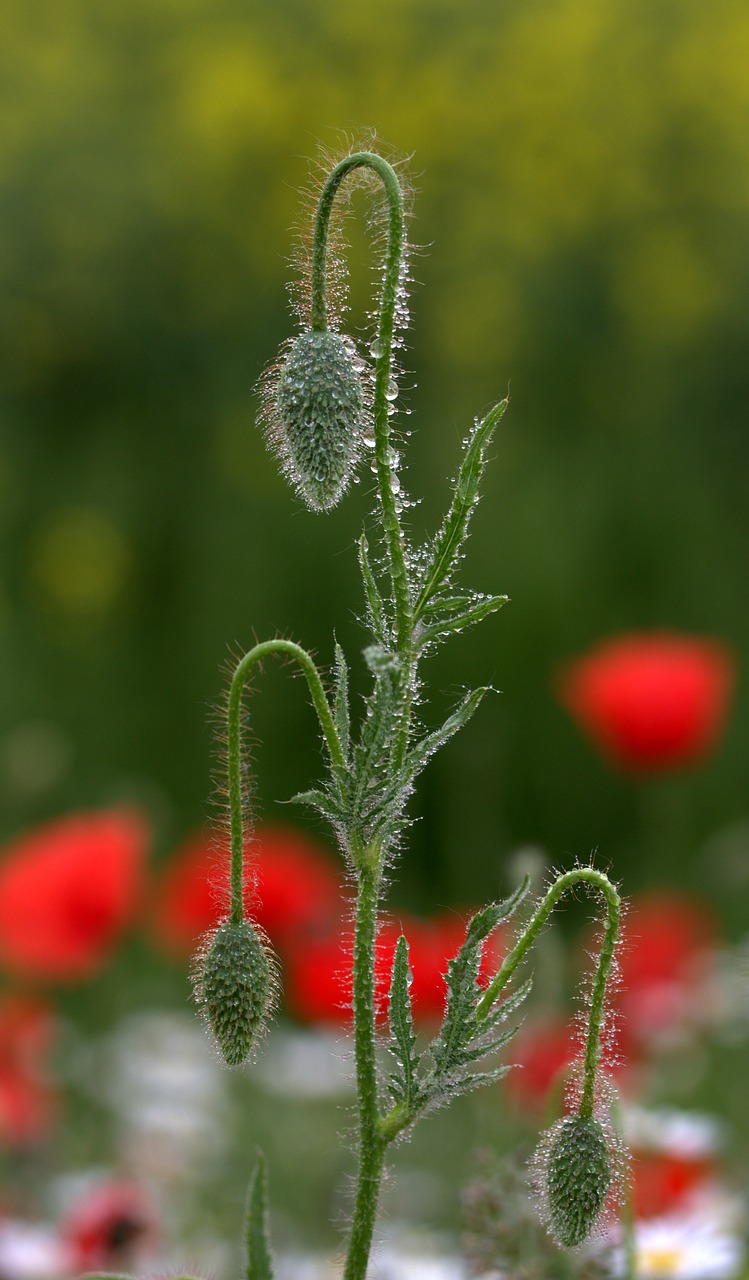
point(371, 1144)
point(234, 748)
point(613, 901)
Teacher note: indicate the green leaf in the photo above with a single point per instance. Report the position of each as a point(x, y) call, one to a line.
point(341, 701)
point(504, 1008)
point(257, 1235)
point(464, 1037)
point(373, 752)
point(452, 535)
point(375, 604)
point(326, 803)
point(463, 990)
point(454, 622)
point(404, 1086)
point(425, 749)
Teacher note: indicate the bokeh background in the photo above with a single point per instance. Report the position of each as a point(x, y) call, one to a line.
point(582, 211)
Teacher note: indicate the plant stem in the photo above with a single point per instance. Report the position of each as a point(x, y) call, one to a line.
point(371, 1144)
point(234, 748)
point(598, 991)
point(396, 243)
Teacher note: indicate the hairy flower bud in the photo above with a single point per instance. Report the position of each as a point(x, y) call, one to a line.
point(578, 1175)
point(234, 986)
point(316, 421)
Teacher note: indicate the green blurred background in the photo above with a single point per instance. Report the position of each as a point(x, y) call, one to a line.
point(582, 175)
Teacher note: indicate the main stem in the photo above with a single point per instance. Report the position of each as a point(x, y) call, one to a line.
point(368, 861)
point(371, 1144)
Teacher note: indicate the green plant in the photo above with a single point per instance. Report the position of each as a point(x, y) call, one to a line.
point(326, 406)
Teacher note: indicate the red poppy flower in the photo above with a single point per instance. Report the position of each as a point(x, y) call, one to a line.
point(67, 890)
point(113, 1226)
point(651, 702)
point(666, 956)
point(297, 889)
point(317, 981)
point(27, 1096)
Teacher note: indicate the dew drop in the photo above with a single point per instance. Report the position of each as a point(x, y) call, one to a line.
point(376, 349)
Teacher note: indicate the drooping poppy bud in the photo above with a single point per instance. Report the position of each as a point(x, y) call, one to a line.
point(578, 1174)
point(234, 988)
point(315, 413)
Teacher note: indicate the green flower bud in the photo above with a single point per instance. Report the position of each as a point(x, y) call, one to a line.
point(234, 987)
point(319, 411)
point(578, 1175)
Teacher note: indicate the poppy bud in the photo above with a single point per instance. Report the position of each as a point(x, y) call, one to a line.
point(234, 985)
point(578, 1175)
point(317, 419)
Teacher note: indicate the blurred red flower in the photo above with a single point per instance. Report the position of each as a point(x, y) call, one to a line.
point(663, 1183)
point(293, 887)
point(668, 944)
point(27, 1095)
point(541, 1052)
point(67, 890)
point(317, 982)
point(651, 701)
point(675, 1159)
point(113, 1226)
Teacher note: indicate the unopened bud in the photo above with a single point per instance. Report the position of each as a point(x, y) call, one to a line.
point(234, 986)
point(578, 1175)
point(319, 410)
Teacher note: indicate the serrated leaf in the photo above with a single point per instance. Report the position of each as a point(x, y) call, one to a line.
point(372, 754)
point(375, 603)
point(448, 604)
point(462, 990)
point(426, 748)
point(259, 1264)
point(499, 1012)
point(464, 1056)
point(323, 801)
point(454, 623)
point(447, 544)
point(464, 1037)
point(341, 700)
point(400, 1012)
point(472, 1080)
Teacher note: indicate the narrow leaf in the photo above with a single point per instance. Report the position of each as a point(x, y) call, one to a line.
point(324, 801)
point(375, 604)
point(499, 1012)
point(425, 749)
point(462, 991)
point(456, 622)
point(257, 1235)
point(453, 532)
point(402, 1026)
point(485, 1046)
point(463, 1084)
point(341, 702)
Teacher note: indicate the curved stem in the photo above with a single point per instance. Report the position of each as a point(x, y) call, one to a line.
point(234, 747)
point(386, 328)
point(613, 901)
